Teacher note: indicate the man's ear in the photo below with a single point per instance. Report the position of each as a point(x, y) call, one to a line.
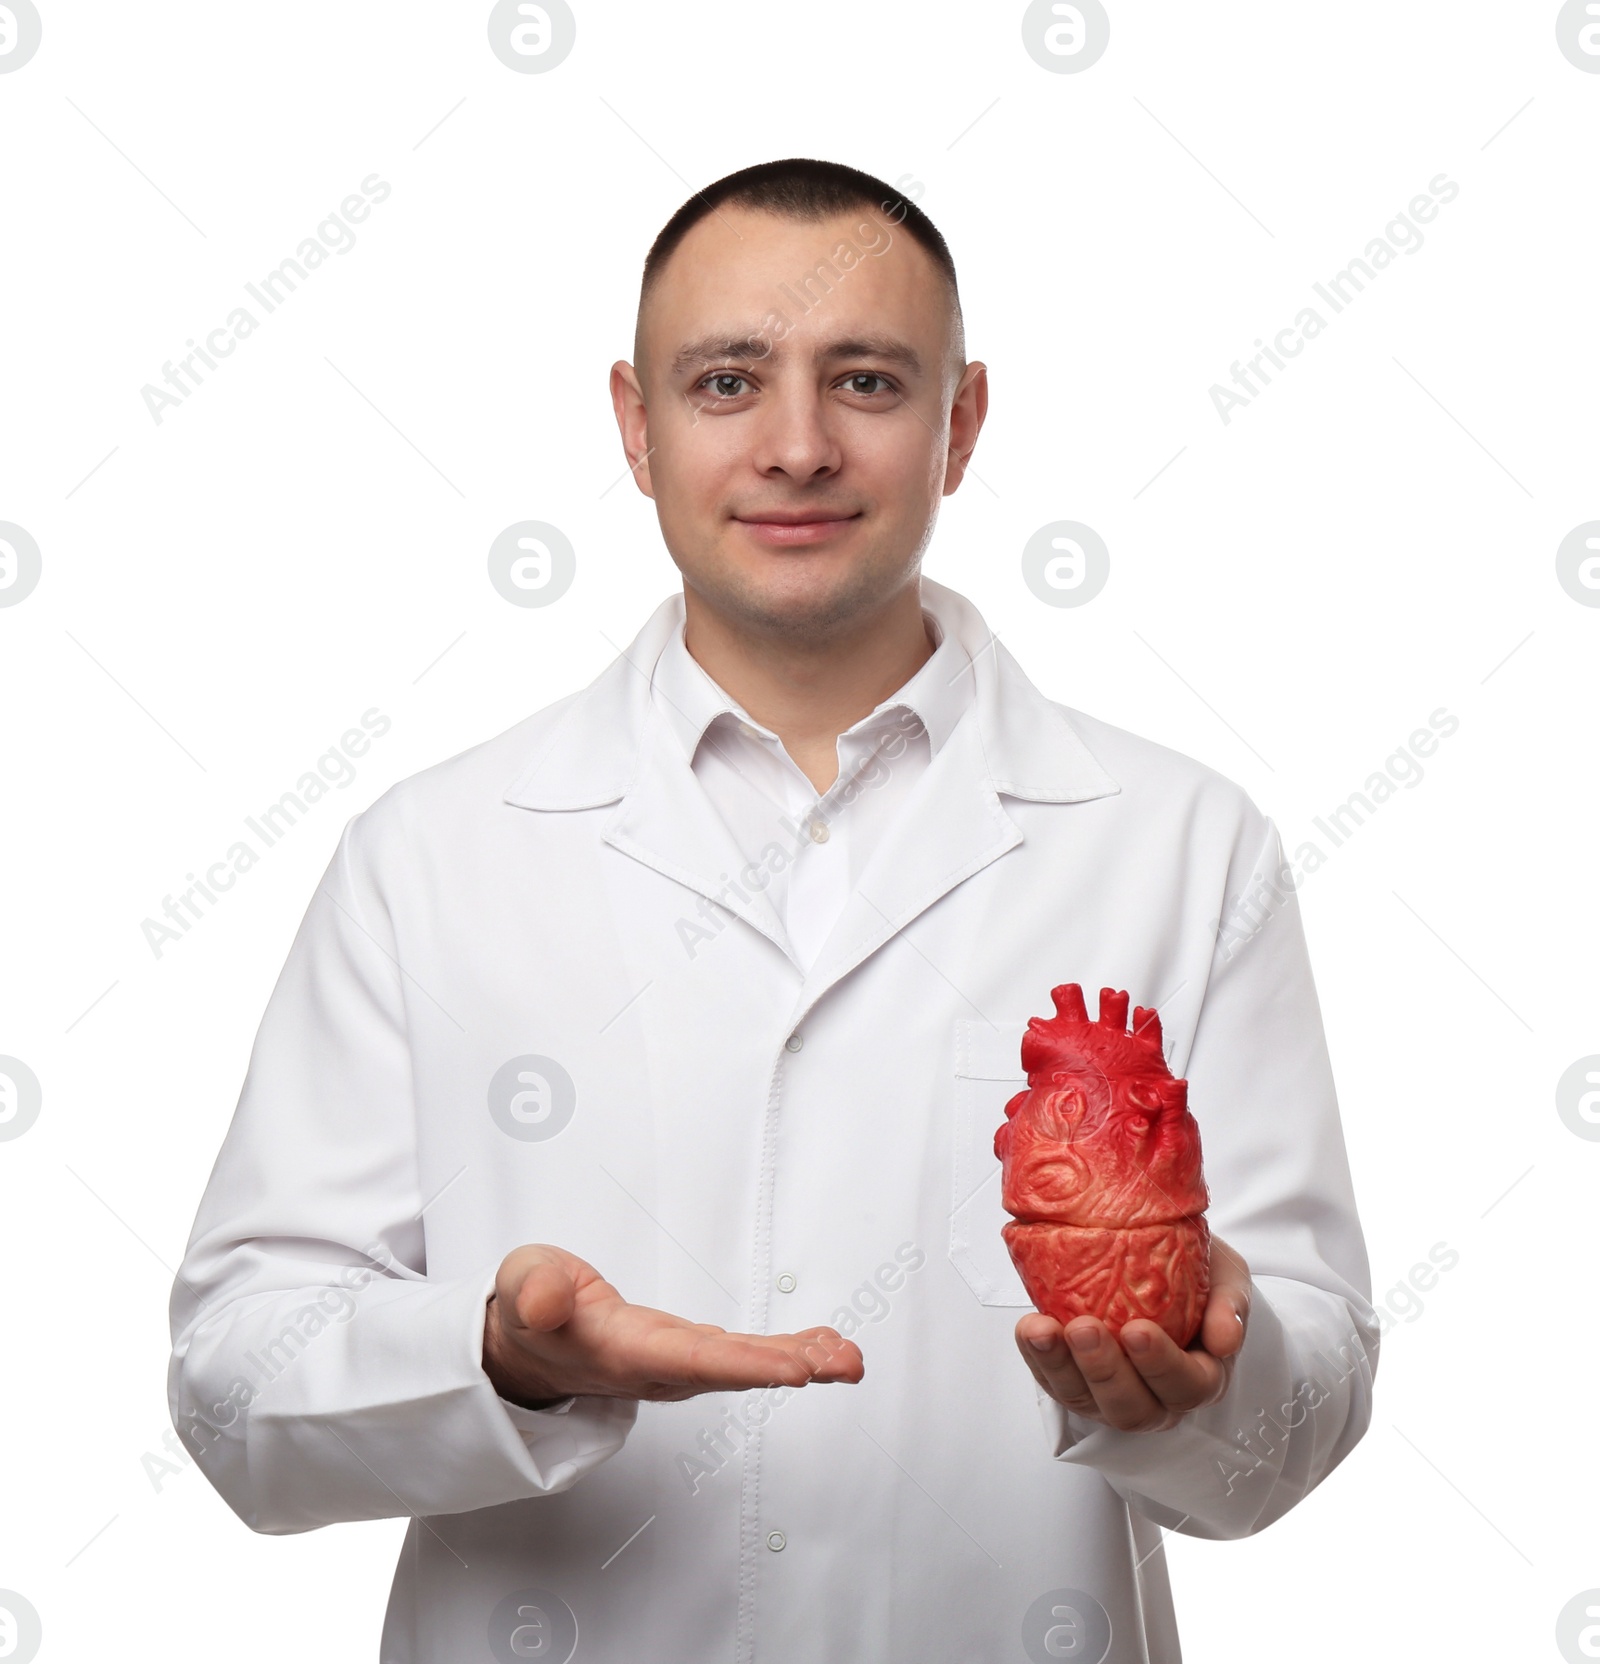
point(627, 400)
point(968, 408)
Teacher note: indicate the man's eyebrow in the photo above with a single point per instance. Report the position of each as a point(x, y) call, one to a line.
point(887, 347)
point(713, 349)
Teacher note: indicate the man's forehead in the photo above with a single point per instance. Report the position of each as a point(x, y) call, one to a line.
point(747, 284)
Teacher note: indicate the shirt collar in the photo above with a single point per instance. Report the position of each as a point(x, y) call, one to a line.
point(588, 748)
point(938, 693)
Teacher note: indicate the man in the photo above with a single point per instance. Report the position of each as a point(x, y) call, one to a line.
point(612, 1190)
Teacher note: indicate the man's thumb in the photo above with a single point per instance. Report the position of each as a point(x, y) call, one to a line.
point(547, 1297)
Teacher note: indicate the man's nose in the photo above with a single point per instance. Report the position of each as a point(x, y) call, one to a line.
point(796, 435)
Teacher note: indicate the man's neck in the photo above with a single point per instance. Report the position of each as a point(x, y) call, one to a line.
point(809, 693)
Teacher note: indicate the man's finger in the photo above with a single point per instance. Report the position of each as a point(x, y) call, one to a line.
point(1124, 1401)
point(1051, 1362)
point(736, 1363)
point(1095, 1380)
point(826, 1353)
point(1227, 1313)
point(1181, 1380)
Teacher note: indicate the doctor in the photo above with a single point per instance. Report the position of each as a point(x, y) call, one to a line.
point(612, 1189)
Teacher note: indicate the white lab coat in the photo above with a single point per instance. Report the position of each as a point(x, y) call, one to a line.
point(730, 1138)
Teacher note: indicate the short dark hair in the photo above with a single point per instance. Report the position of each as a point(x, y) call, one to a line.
point(802, 188)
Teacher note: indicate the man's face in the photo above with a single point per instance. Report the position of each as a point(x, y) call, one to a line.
point(800, 407)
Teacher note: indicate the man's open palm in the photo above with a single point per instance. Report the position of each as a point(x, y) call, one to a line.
point(554, 1326)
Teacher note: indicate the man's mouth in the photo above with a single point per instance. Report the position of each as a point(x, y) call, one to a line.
point(786, 527)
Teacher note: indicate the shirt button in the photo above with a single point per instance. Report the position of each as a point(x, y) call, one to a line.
point(819, 832)
point(793, 1043)
point(776, 1540)
point(786, 1282)
point(748, 731)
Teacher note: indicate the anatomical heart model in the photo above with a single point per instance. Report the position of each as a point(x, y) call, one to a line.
point(1100, 1168)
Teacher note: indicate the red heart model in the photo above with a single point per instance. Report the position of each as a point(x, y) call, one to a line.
point(1100, 1168)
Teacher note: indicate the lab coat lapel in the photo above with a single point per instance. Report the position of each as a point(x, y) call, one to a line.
point(607, 744)
point(1010, 741)
point(951, 825)
point(667, 821)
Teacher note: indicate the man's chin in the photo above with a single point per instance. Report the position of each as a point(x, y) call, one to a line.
point(796, 595)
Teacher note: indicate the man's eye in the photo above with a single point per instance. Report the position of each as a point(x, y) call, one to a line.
point(868, 375)
point(720, 384)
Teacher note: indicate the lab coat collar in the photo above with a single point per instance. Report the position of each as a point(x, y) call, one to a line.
point(595, 750)
point(611, 744)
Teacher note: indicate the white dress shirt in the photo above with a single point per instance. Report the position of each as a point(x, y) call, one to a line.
point(809, 851)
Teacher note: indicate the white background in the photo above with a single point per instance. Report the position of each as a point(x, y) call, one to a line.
point(1372, 539)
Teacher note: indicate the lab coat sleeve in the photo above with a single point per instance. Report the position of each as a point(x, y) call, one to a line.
point(318, 1372)
point(1261, 1087)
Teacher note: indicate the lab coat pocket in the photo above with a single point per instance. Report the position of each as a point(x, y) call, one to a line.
point(988, 1075)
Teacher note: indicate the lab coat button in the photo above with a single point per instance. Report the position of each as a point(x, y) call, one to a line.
point(786, 1283)
point(819, 832)
point(776, 1540)
point(793, 1043)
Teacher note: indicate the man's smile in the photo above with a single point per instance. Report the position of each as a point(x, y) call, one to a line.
point(789, 528)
